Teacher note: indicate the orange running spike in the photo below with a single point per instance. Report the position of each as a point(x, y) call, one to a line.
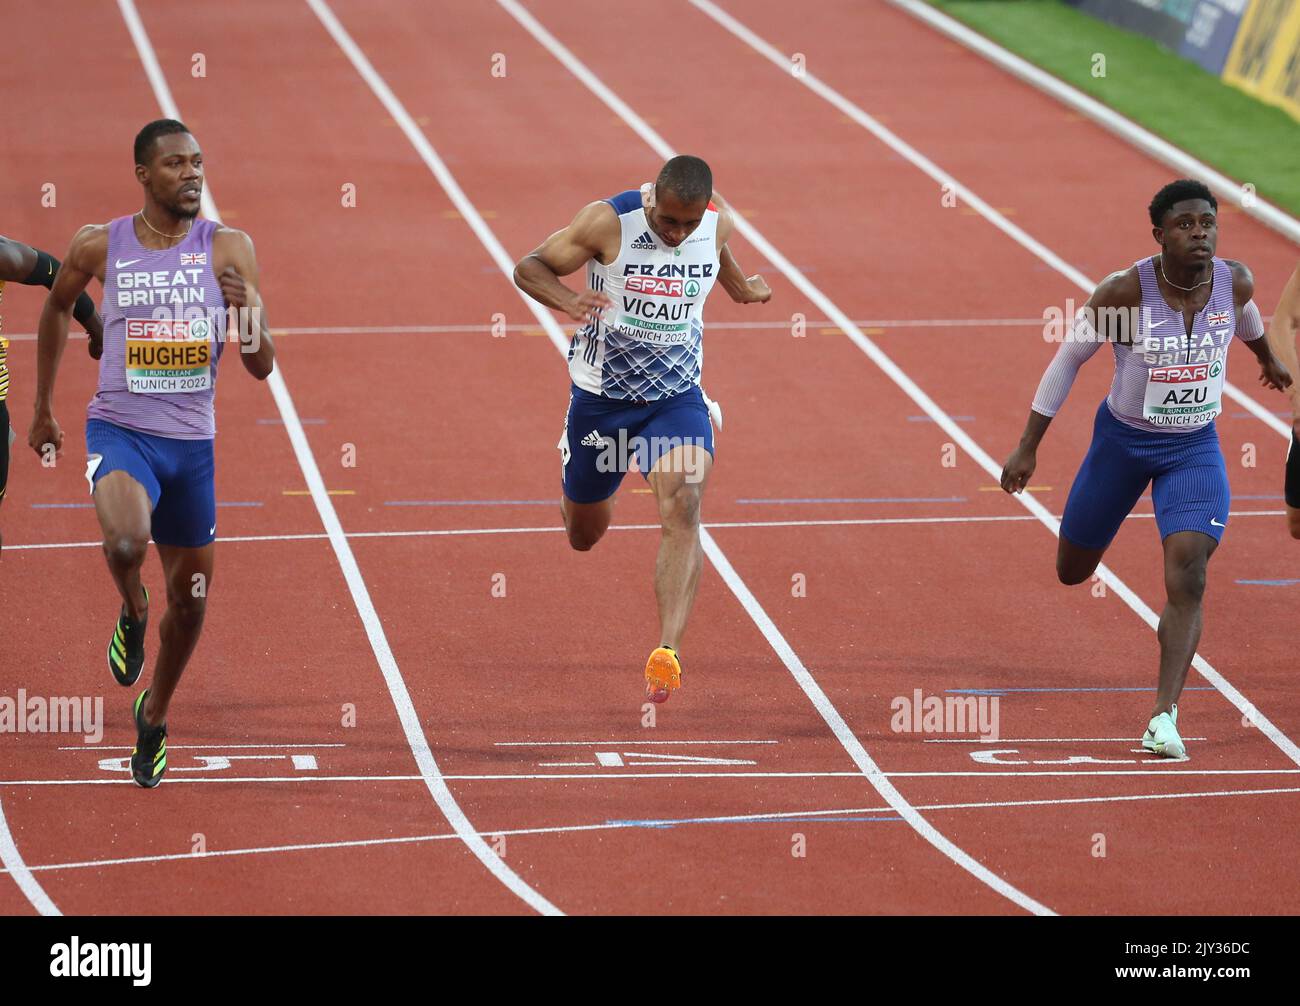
point(663, 674)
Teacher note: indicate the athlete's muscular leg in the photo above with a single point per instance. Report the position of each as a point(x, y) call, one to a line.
point(678, 481)
point(1187, 554)
point(1293, 520)
point(586, 523)
point(189, 578)
point(123, 508)
point(1074, 564)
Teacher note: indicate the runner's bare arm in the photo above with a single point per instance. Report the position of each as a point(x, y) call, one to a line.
point(1250, 329)
point(86, 258)
point(1282, 334)
point(739, 287)
point(1104, 318)
point(22, 263)
point(594, 233)
point(239, 276)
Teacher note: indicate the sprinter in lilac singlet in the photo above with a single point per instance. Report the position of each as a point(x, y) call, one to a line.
point(176, 289)
point(1169, 320)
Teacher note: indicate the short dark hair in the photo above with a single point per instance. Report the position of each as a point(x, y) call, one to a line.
point(147, 137)
point(1177, 192)
point(686, 177)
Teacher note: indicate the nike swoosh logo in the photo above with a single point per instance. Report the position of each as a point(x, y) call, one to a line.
point(212, 529)
point(1157, 324)
point(1216, 523)
point(119, 264)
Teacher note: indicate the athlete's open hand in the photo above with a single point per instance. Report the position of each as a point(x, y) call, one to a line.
point(1019, 469)
point(1273, 374)
point(45, 430)
point(588, 304)
point(759, 291)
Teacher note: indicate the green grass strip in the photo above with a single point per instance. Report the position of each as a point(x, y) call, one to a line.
point(1171, 96)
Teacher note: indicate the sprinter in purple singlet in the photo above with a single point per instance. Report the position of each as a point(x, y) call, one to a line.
point(169, 279)
point(1169, 319)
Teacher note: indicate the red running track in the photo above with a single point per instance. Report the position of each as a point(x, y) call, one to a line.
point(529, 699)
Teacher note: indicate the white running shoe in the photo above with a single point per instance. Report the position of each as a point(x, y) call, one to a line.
point(1162, 736)
point(715, 410)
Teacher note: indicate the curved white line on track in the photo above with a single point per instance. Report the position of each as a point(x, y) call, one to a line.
point(1145, 140)
point(119, 778)
point(773, 818)
point(462, 531)
point(919, 160)
point(927, 166)
point(21, 872)
point(429, 771)
point(864, 762)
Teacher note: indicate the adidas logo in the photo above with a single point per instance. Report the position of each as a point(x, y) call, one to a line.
point(593, 439)
point(646, 242)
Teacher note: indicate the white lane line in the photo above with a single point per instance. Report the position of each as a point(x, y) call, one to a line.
point(1143, 139)
point(343, 551)
point(869, 769)
point(775, 817)
point(928, 167)
point(455, 532)
point(15, 866)
point(122, 779)
point(830, 310)
point(866, 764)
point(980, 805)
point(219, 747)
point(1034, 740)
point(472, 217)
point(539, 744)
point(714, 326)
point(897, 375)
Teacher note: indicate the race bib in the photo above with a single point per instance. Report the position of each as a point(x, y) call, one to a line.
point(168, 356)
point(1186, 395)
point(649, 316)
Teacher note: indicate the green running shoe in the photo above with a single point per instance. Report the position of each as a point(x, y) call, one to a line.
point(149, 756)
point(1162, 736)
point(126, 648)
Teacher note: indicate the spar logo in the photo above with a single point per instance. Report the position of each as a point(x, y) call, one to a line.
point(1186, 375)
point(654, 285)
point(660, 287)
point(1184, 390)
point(169, 329)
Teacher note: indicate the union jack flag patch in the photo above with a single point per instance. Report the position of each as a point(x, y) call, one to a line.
point(1214, 318)
point(194, 258)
